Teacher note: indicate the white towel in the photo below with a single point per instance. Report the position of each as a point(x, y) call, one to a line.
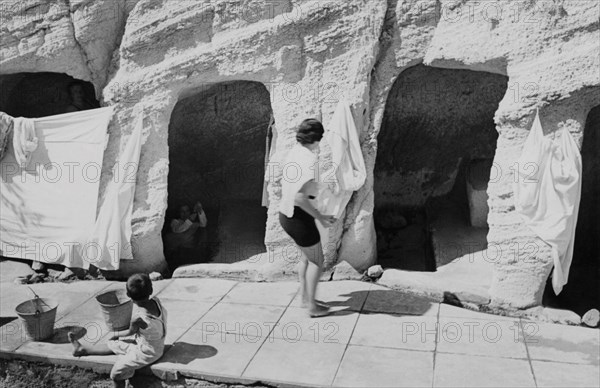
point(25, 140)
point(347, 158)
point(548, 192)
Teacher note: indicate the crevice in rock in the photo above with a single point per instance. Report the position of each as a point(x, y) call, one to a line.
point(79, 45)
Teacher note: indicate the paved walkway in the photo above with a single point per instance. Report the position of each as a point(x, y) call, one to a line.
point(229, 331)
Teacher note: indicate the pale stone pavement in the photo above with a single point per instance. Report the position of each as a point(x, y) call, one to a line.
point(228, 331)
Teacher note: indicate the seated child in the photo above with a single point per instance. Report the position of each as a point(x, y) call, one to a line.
point(148, 324)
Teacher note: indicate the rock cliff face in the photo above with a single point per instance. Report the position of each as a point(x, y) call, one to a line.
point(145, 56)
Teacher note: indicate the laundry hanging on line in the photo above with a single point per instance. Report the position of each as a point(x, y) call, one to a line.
point(548, 193)
point(48, 208)
point(347, 158)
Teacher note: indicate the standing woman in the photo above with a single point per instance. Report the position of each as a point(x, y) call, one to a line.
point(297, 211)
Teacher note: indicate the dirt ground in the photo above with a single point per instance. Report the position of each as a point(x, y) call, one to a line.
point(21, 374)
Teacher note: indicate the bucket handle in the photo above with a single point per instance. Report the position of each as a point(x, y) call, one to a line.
point(37, 298)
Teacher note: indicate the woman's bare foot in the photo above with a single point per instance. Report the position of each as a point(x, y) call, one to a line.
point(318, 311)
point(78, 349)
point(306, 304)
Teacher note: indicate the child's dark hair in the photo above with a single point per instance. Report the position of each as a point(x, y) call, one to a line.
point(309, 131)
point(139, 286)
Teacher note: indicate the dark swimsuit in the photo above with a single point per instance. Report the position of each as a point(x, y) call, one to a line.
point(301, 227)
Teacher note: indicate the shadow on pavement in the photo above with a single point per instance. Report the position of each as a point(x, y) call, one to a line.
point(184, 353)
point(381, 302)
point(60, 334)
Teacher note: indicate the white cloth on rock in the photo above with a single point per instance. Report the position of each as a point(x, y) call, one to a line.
point(48, 209)
point(112, 231)
point(347, 159)
point(25, 141)
point(548, 192)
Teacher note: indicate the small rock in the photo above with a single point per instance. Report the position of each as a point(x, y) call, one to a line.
point(344, 271)
point(38, 266)
point(375, 271)
point(37, 278)
point(565, 317)
point(67, 274)
point(21, 280)
point(591, 318)
point(54, 273)
point(154, 276)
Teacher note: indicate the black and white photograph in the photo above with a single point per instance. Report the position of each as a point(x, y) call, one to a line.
point(299, 193)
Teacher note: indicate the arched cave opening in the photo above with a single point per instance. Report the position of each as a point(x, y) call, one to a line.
point(217, 146)
point(35, 95)
point(434, 160)
point(582, 292)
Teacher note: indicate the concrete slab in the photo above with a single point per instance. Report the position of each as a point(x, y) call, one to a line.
point(463, 269)
point(71, 296)
point(277, 294)
point(202, 354)
point(88, 316)
point(500, 338)
point(250, 320)
point(181, 316)
point(554, 374)
point(12, 334)
point(457, 370)
point(365, 366)
point(68, 296)
point(389, 301)
point(449, 311)
point(299, 362)
point(349, 294)
point(184, 313)
point(335, 328)
point(562, 343)
point(59, 346)
point(11, 269)
point(396, 331)
point(379, 338)
point(207, 290)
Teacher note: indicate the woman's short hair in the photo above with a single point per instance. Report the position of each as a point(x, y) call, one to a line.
point(139, 286)
point(309, 131)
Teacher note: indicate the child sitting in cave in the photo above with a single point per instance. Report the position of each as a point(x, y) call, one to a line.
point(187, 232)
point(148, 324)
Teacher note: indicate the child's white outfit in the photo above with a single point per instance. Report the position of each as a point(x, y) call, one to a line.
point(148, 346)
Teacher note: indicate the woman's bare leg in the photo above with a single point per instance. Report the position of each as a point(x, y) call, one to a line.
point(81, 350)
point(314, 257)
point(302, 265)
point(305, 299)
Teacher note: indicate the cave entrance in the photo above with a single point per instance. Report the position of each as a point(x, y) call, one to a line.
point(581, 293)
point(217, 146)
point(35, 95)
point(434, 160)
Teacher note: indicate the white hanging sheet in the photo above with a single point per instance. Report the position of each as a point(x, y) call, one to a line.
point(347, 159)
point(110, 240)
point(48, 208)
point(548, 192)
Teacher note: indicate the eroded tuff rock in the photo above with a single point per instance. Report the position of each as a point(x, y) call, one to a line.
point(144, 56)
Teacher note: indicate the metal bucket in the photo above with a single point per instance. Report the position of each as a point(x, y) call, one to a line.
point(116, 307)
point(38, 316)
